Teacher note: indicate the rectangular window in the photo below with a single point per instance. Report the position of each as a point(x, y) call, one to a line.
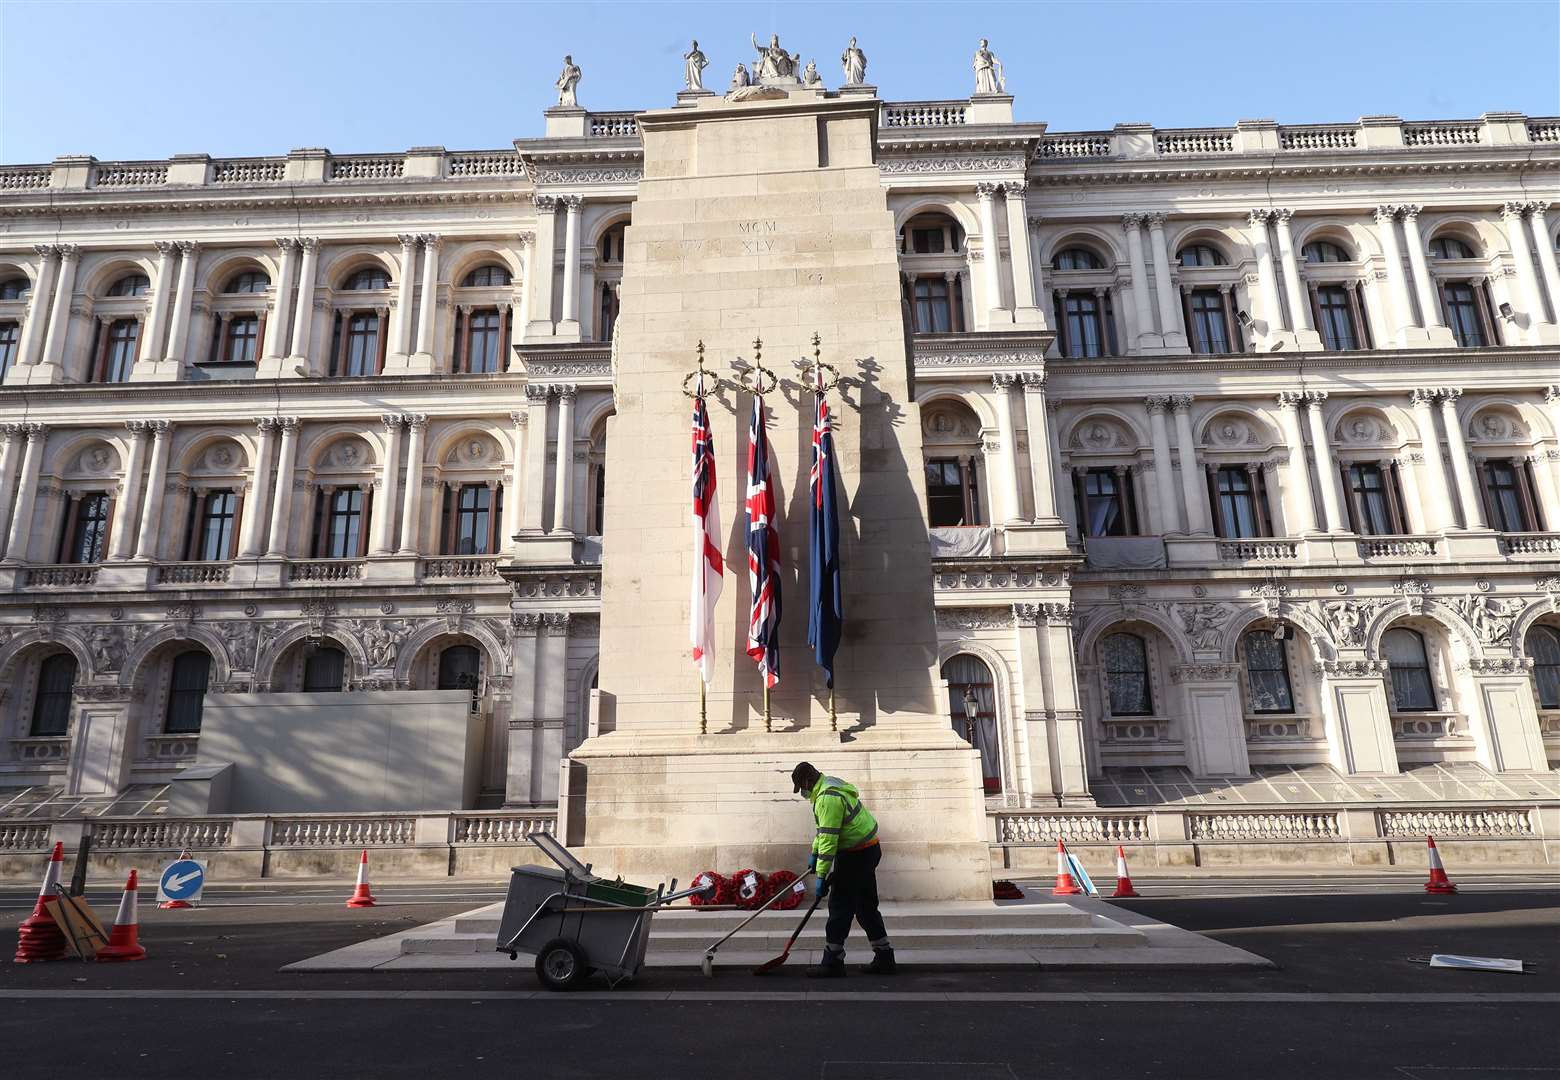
point(1106, 503)
point(952, 497)
point(473, 519)
point(89, 535)
point(926, 241)
point(1462, 314)
point(344, 524)
point(1210, 329)
point(360, 345)
point(1238, 517)
point(1337, 319)
point(324, 671)
point(1083, 325)
point(214, 542)
point(933, 313)
point(1370, 500)
point(1267, 674)
point(482, 357)
point(123, 337)
point(1503, 486)
point(243, 340)
point(10, 335)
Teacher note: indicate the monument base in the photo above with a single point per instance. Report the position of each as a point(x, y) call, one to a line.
point(652, 808)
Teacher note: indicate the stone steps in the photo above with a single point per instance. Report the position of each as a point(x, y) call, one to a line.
point(715, 923)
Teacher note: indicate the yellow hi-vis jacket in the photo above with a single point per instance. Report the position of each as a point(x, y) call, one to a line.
point(844, 823)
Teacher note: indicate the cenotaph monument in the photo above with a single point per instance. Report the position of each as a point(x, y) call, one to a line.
point(762, 216)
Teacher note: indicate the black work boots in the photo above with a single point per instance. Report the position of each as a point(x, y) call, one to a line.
point(882, 963)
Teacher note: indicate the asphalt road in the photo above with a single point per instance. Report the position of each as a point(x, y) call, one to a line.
point(1344, 1003)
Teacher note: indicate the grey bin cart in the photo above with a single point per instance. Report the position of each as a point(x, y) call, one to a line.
point(576, 923)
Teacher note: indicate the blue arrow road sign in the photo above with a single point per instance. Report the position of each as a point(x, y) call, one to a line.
point(181, 879)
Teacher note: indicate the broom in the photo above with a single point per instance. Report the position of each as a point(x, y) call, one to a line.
point(769, 965)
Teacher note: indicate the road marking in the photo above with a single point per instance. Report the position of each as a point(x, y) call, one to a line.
point(1081, 997)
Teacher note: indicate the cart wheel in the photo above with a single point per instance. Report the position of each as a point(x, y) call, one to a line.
point(560, 964)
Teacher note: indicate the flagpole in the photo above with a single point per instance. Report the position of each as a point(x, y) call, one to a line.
point(820, 389)
point(697, 377)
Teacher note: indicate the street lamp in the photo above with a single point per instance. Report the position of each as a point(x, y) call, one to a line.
point(971, 708)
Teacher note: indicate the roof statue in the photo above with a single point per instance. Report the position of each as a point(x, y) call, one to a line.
point(854, 61)
point(773, 63)
point(988, 71)
point(810, 77)
point(694, 64)
point(567, 81)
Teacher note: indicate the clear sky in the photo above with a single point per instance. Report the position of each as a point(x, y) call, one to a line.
point(147, 80)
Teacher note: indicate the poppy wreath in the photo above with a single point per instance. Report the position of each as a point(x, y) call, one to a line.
point(717, 890)
point(784, 881)
point(748, 888)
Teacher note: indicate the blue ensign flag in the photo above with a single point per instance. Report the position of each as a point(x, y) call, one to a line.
point(826, 610)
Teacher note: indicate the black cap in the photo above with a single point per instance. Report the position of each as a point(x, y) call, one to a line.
point(803, 777)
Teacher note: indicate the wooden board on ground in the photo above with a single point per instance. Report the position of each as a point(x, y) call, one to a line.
point(79, 923)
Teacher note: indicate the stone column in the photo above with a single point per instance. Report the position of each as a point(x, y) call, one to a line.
point(1545, 244)
point(427, 310)
point(515, 485)
point(990, 255)
point(179, 325)
point(1032, 743)
point(1424, 285)
point(1437, 500)
point(1171, 521)
point(251, 528)
point(552, 699)
point(1267, 285)
point(1298, 508)
point(539, 267)
point(26, 492)
point(1398, 305)
point(524, 723)
point(1037, 270)
point(535, 458)
point(1326, 472)
point(36, 325)
point(1026, 311)
point(401, 338)
point(563, 475)
point(162, 290)
point(1457, 450)
point(382, 528)
point(1146, 336)
point(59, 317)
point(10, 436)
point(416, 425)
point(1193, 489)
point(1164, 291)
point(1006, 501)
point(152, 508)
point(276, 324)
point(122, 541)
point(569, 320)
point(1042, 468)
point(303, 320)
point(281, 509)
point(1294, 288)
point(1517, 236)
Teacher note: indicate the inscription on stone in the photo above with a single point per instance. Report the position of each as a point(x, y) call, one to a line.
point(756, 236)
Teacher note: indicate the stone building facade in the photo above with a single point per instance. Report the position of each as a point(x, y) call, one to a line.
point(1242, 448)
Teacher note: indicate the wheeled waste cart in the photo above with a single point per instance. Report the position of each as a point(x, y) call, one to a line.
point(576, 923)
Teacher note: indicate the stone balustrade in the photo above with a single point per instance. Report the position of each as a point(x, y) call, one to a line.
point(1397, 547)
point(1259, 551)
point(920, 114)
point(65, 575)
point(325, 570)
point(194, 573)
point(458, 567)
point(1545, 545)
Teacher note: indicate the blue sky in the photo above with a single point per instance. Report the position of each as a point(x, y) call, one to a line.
point(140, 79)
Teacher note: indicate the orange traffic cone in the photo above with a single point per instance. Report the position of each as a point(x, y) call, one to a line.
point(39, 938)
point(361, 897)
point(124, 941)
point(1123, 879)
point(1438, 883)
point(1065, 885)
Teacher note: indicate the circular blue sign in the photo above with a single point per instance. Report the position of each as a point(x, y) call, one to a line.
point(182, 879)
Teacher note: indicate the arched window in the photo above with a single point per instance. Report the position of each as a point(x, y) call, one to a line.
point(324, 670)
point(131, 285)
point(1449, 247)
point(1126, 675)
point(1268, 689)
point(931, 234)
point(187, 692)
point(460, 668)
point(1543, 645)
point(1408, 664)
point(966, 673)
point(51, 704)
point(487, 277)
point(368, 279)
point(248, 281)
point(1201, 255)
point(17, 288)
point(1324, 251)
point(1077, 258)
point(611, 248)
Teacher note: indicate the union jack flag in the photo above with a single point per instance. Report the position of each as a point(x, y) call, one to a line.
point(763, 544)
point(826, 607)
point(708, 564)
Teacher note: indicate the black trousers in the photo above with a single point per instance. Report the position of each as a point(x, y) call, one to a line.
point(853, 895)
